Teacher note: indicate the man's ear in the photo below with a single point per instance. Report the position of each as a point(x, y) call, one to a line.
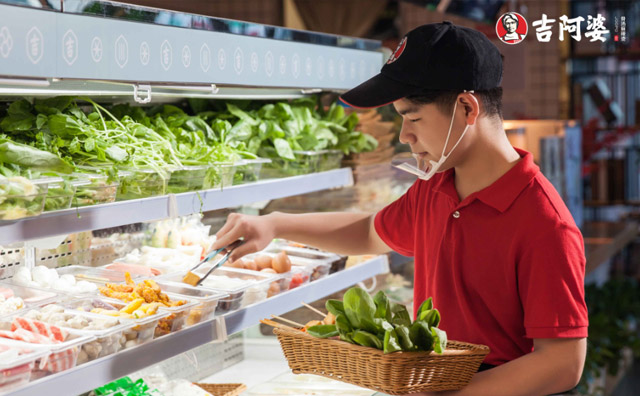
point(471, 107)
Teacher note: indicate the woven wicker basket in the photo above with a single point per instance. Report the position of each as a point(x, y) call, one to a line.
point(397, 373)
point(224, 389)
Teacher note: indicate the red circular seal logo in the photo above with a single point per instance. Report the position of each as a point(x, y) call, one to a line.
point(511, 28)
point(398, 51)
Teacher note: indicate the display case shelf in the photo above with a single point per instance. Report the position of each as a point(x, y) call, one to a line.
point(115, 214)
point(99, 372)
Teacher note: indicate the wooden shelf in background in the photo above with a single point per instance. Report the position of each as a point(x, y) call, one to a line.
point(604, 239)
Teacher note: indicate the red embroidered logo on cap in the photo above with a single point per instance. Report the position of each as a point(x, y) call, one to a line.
point(398, 51)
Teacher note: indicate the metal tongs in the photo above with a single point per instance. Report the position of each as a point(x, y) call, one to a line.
point(229, 249)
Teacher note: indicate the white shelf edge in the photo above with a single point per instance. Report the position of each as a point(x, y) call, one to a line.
point(102, 371)
point(156, 208)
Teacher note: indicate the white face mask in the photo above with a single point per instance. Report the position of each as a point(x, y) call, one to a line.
point(435, 166)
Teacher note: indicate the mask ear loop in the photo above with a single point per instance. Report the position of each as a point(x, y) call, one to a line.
point(455, 106)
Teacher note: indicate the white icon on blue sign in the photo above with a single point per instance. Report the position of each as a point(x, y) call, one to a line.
point(166, 55)
point(145, 53)
point(6, 42)
point(332, 68)
point(342, 70)
point(320, 67)
point(96, 49)
point(222, 59)
point(268, 63)
point(35, 45)
point(70, 47)
point(352, 71)
point(186, 56)
point(238, 60)
point(282, 64)
point(308, 66)
point(295, 65)
point(205, 58)
point(122, 51)
point(254, 62)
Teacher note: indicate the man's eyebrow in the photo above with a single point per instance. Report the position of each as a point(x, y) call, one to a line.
point(408, 110)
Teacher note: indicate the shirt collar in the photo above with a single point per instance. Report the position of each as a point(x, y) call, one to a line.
point(501, 194)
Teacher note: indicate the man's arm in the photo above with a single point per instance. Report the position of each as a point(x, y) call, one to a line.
point(338, 232)
point(554, 366)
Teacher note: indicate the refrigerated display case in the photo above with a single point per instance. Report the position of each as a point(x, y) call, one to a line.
point(114, 53)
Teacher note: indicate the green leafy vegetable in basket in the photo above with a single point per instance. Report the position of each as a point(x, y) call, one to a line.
point(378, 323)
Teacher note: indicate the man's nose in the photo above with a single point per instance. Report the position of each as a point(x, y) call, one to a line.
point(406, 137)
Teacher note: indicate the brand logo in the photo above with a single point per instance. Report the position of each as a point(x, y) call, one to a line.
point(398, 51)
point(511, 28)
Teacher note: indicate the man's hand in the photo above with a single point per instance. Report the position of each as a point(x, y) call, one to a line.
point(257, 231)
point(345, 233)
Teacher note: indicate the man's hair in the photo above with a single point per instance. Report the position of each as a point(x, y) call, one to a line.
point(444, 100)
point(510, 16)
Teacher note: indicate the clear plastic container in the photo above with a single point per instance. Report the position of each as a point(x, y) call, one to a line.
point(64, 356)
point(243, 287)
point(219, 175)
point(207, 300)
point(30, 296)
point(187, 178)
point(99, 276)
point(248, 170)
point(305, 162)
point(15, 371)
point(142, 330)
point(97, 190)
point(142, 183)
point(329, 159)
point(289, 280)
point(336, 261)
point(60, 193)
point(177, 319)
point(21, 198)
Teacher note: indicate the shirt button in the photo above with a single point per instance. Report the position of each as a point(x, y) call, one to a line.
point(456, 215)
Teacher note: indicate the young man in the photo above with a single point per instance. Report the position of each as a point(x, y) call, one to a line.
point(494, 244)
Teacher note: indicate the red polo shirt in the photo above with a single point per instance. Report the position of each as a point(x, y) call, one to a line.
point(504, 266)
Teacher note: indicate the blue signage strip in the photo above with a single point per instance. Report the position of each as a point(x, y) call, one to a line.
point(63, 45)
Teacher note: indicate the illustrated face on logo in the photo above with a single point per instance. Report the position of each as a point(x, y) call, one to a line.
point(398, 51)
point(511, 28)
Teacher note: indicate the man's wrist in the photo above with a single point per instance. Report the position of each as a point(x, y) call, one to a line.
point(275, 218)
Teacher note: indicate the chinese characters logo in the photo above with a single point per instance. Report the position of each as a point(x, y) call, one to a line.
point(511, 28)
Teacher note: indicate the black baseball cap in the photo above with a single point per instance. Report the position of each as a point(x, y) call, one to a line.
point(437, 56)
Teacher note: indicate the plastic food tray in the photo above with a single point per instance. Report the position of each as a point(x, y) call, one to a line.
point(142, 329)
point(336, 261)
point(31, 296)
point(255, 288)
point(319, 267)
point(248, 170)
point(98, 190)
point(305, 162)
point(63, 356)
point(288, 280)
point(207, 300)
point(219, 175)
point(99, 276)
point(187, 178)
point(177, 319)
point(17, 372)
point(142, 183)
point(329, 159)
point(21, 198)
point(60, 193)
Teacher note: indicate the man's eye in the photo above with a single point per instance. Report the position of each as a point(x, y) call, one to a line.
point(416, 120)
